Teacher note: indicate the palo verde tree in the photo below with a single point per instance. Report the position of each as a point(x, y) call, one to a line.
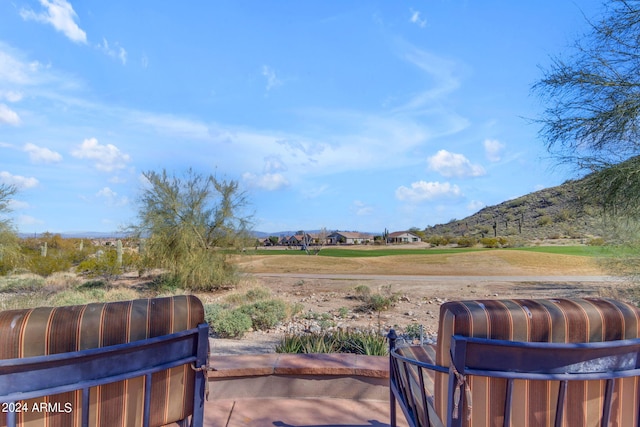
point(9, 242)
point(188, 223)
point(592, 121)
point(592, 99)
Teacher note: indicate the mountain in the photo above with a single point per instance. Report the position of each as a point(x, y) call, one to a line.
point(552, 213)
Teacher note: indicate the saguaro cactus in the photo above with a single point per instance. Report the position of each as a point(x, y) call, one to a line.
point(43, 249)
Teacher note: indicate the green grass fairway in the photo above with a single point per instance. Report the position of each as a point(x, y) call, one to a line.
point(379, 252)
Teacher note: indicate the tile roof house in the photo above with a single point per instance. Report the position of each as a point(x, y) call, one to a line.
point(403, 237)
point(349, 238)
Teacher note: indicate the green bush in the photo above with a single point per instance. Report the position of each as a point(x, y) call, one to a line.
point(363, 292)
point(232, 324)
point(377, 302)
point(412, 331)
point(596, 241)
point(45, 266)
point(17, 284)
point(467, 242)
point(102, 264)
point(489, 242)
point(438, 241)
point(252, 295)
point(503, 242)
point(544, 220)
point(265, 314)
point(227, 323)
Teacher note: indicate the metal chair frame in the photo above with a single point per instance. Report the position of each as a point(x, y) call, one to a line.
point(32, 377)
point(513, 360)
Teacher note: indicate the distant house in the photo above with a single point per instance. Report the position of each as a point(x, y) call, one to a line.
point(299, 240)
point(348, 238)
point(403, 237)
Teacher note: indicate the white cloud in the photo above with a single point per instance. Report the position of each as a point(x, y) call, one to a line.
point(114, 52)
point(15, 205)
point(16, 70)
point(312, 193)
point(61, 15)
point(493, 149)
point(111, 197)
point(8, 116)
point(19, 181)
point(361, 209)
point(451, 164)
point(28, 220)
point(422, 191)
point(274, 164)
point(266, 181)
point(476, 205)
point(41, 154)
point(272, 79)
point(108, 157)
point(443, 73)
point(416, 19)
point(11, 95)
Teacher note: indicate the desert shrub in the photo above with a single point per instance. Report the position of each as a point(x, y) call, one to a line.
point(227, 323)
point(252, 295)
point(413, 331)
point(489, 242)
point(165, 284)
point(21, 283)
point(563, 215)
point(206, 271)
point(256, 294)
point(544, 220)
point(102, 264)
point(362, 292)
point(438, 241)
point(596, 241)
point(93, 284)
point(343, 312)
point(77, 297)
point(503, 241)
point(120, 294)
point(378, 302)
point(45, 266)
point(266, 314)
point(467, 242)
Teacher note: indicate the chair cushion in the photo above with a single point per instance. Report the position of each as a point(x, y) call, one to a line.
point(50, 330)
point(410, 377)
point(543, 320)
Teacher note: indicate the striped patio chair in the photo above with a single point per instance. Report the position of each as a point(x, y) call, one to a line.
point(498, 384)
point(130, 363)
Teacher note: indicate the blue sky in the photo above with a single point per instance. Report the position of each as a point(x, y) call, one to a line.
point(350, 115)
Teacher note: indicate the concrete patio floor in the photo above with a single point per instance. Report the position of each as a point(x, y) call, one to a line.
point(299, 390)
point(278, 412)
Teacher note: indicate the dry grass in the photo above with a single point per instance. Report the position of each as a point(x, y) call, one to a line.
point(486, 263)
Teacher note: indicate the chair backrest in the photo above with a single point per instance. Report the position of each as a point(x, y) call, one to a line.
point(411, 375)
point(551, 363)
point(545, 321)
point(105, 338)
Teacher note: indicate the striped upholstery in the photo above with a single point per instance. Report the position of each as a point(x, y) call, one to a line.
point(410, 376)
point(51, 330)
point(552, 320)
